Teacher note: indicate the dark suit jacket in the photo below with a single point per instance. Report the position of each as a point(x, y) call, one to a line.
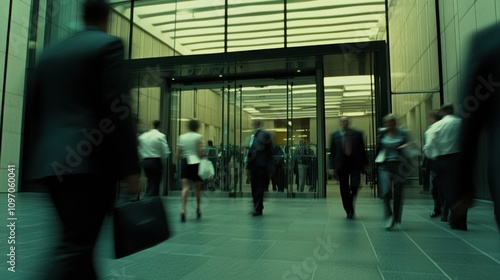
point(82, 118)
point(480, 102)
point(358, 152)
point(260, 154)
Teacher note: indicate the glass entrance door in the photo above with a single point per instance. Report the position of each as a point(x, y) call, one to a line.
point(298, 99)
point(285, 107)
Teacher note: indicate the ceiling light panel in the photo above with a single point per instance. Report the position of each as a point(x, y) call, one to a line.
point(309, 22)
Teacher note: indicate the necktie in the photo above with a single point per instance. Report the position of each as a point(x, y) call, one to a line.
point(251, 140)
point(347, 144)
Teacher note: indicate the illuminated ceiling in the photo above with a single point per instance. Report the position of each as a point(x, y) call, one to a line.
point(198, 27)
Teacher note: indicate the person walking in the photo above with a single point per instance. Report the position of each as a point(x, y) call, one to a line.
point(347, 160)
point(445, 144)
point(440, 207)
point(259, 165)
point(153, 148)
point(390, 141)
point(84, 138)
point(189, 150)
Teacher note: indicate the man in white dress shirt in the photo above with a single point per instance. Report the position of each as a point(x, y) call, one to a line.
point(444, 143)
point(153, 148)
point(440, 208)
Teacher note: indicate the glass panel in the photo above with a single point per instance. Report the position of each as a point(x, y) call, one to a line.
point(203, 103)
point(412, 112)
point(184, 27)
point(333, 22)
point(120, 26)
point(65, 18)
point(350, 91)
point(255, 25)
point(145, 106)
point(170, 28)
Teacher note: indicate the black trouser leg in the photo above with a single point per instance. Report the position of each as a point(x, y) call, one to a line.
point(259, 181)
point(345, 191)
point(81, 202)
point(153, 170)
point(447, 181)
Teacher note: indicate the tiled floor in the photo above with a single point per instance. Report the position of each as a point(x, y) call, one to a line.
point(295, 239)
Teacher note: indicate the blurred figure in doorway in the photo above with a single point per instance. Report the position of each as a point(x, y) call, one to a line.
point(392, 173)
point(189, 150)
point(347, 160)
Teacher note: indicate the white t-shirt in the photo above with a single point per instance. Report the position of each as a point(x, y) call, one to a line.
point(188, 143)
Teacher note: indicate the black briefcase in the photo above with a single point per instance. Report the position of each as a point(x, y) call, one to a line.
point(139, 225)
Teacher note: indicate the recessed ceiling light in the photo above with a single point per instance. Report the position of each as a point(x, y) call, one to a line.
point(353, 114)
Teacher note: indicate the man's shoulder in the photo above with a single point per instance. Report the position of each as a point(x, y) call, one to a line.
point(85, 41)
point(336, 133)
point(98, 36)
point(403, 132)
point(264, 132)
point(157, 133)
point(449, 120)
point(144, 134)
point(355, 131)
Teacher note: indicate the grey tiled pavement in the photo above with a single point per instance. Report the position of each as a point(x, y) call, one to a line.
point(295, 239)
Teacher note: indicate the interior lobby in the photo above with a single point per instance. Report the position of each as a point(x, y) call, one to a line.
point(298, 66)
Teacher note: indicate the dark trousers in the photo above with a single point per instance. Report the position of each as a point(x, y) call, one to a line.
point(446, 169)
point(391, 186)
point(437, 193)
point(259, 181)
point(349, 180)
point(81, 201)
point(278, 179)
point(153, 169)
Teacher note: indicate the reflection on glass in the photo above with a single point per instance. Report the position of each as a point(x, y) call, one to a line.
point(257, 25)
point(333, 22)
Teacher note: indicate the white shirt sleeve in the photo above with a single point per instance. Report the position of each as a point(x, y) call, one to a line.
point(164, 146)
point(428, 147)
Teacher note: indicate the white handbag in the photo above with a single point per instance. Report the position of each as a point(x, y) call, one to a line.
point(205, 169)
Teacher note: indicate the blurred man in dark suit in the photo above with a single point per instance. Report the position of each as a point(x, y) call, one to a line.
point(85, 138)
point(347, 160)
point(259, 164)
point(480, 102)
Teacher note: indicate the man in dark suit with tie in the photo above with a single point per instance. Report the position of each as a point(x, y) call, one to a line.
point(84, 137)
point(347, 160)
point(259, 165)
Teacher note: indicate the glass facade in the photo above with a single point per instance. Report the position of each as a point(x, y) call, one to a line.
point(206, 27)
point(300, 95)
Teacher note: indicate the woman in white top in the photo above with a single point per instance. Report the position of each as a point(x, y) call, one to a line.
point(190, 151)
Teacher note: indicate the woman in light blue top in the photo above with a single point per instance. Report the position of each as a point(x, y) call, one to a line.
point(393, 168)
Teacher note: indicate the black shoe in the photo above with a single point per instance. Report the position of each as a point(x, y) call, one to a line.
point(350, 216)
point(183, 217)
point(198, 214)
point(459, 226)
point(435, 214)
point(255, 214)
